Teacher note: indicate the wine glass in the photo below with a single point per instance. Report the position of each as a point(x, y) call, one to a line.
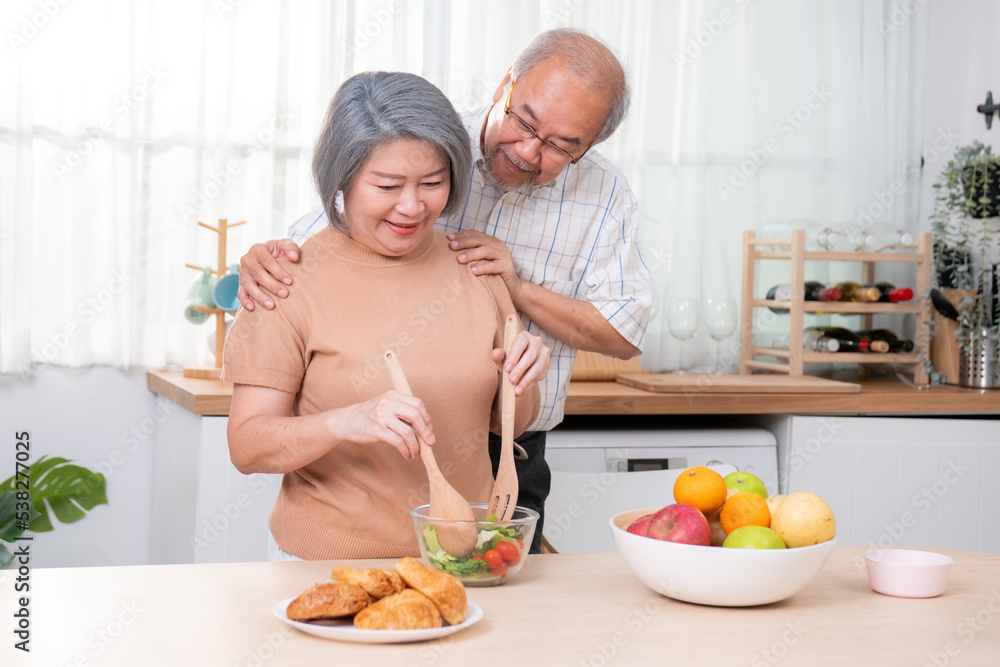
point(682, 320)
point(720, 320)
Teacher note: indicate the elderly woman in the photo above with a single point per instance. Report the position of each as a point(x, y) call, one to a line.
point(312, 397)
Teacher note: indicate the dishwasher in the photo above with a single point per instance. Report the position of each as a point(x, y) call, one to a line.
point(605, 465)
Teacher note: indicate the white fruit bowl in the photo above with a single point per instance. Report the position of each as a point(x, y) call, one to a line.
point(718, 576)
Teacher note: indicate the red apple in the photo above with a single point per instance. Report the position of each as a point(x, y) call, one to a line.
point(680, 523)
point(640, 525)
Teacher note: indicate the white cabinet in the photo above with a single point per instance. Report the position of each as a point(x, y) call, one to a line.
point(891, 481)
point(204, 510)
point(899, 482)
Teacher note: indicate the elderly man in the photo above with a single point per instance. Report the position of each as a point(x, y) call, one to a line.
point(550, 215)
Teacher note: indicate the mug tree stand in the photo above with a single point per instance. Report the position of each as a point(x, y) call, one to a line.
point(214, 372)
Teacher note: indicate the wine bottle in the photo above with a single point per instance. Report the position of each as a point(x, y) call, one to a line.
point(814, 291)
point(889, 293)
point(896, 344)
point(862, 239)
point(903, 239)
point(811, 342)
point(854, 292)
point(850, 341)
point(828, 238)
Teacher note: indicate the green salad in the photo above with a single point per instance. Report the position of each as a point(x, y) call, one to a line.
point(497, 550)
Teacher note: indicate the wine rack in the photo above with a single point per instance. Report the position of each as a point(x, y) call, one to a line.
point(793, 360)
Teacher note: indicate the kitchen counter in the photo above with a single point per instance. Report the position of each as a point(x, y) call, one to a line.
point(878, 395)
point(583, 609)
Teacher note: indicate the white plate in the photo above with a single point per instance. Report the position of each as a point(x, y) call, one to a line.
point(344, 630)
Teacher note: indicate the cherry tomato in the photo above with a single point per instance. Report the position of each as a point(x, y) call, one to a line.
point(507, 550)
point(493, 558)
point(477, 557)
point(513, 562)
point(499, 570)
point(520, 543)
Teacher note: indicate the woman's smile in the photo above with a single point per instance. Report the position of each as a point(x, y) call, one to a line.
point(397, 196)
point(403, 228)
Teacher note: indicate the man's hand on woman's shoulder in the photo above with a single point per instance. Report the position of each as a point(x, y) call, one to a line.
point(260, 271)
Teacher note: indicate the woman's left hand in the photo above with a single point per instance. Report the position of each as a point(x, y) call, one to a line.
point(527, 363)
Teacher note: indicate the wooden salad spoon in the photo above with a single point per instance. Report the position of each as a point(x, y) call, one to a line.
point(458, 539)
point(503, 497)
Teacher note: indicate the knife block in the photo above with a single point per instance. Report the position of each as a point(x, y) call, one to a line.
point(944, 348)
point(944, 343)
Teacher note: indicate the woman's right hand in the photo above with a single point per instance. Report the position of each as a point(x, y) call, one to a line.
point(259, 271)
point(392, 417)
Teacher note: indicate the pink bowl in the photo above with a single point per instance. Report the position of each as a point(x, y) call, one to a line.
point(907, 574)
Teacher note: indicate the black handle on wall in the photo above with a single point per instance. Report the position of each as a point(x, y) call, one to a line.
point(988, 109)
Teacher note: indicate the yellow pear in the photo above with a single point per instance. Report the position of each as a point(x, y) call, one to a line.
point(773, 502)
point(802, 519)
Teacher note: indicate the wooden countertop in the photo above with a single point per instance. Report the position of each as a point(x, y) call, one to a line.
point(879, 395)
point(563, 609)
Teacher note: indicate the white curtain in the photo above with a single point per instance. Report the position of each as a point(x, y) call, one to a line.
point(769, 116)
point(125, 122)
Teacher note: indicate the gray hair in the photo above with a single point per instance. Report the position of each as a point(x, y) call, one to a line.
point(372, 109)
point(587, 58)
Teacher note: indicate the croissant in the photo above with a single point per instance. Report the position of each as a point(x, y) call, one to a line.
point(408, 610)
point(333, 599)
point(444, 590)
point(377, 583)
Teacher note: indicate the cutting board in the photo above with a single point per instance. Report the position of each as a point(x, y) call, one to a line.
point(737, 384)
point(594, 367)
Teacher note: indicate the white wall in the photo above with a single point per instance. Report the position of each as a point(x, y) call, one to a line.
point(962, 64)
point(103, 419)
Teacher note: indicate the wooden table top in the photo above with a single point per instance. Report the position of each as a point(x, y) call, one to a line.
point(563, 609)
point(878, 395)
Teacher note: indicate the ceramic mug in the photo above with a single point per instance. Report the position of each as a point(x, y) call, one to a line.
point(226, 288)
point(200, 294)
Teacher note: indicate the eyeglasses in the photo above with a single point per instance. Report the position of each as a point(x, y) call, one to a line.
point(548, 149)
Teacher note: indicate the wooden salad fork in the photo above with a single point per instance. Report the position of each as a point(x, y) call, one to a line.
point(503, 497)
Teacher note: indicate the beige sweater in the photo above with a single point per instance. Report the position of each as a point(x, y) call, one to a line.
point(325, 344)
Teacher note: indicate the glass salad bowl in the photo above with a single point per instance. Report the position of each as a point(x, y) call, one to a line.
point(501, 546)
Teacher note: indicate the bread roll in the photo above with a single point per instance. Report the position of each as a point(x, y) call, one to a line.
point(444, 590)
point(334, 599)
point(377, 583)
point(408, 610)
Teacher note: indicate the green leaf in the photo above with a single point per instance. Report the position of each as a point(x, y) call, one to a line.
point(69, 490)
point(8, 516)
point(6, 557)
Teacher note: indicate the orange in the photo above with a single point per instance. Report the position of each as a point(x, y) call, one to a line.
point(702, 488)
point(744, 509)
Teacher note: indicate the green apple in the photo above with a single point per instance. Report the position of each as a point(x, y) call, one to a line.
point(754, 537)
point(744, 481)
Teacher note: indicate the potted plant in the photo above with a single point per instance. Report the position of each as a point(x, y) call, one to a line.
point(966, 232)
point(69, 490)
